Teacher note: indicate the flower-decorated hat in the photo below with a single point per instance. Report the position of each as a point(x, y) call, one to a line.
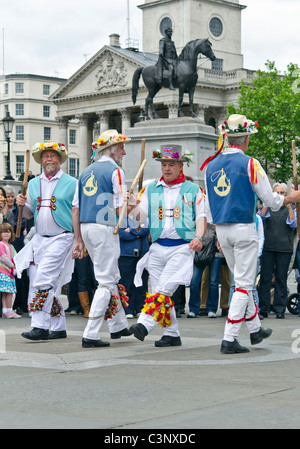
point(238, 126)
point(38, 148)
point(172, 152)
point(109, 138)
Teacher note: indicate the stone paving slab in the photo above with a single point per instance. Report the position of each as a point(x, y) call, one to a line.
point(134, 385)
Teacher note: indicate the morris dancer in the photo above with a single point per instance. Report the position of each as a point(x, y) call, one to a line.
point(49, 254)
point(177, 223)
point(99, 196)
point(233, 181)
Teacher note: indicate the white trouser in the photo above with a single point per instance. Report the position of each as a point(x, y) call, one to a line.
point(50, 258)
point(239, 244)
point(104, 249)
point(168, 268)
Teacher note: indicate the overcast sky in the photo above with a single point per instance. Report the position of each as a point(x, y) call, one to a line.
point(56, 37)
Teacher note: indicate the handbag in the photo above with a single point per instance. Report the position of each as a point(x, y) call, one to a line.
point(205, 256)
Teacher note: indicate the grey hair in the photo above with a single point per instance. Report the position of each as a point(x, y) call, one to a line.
point(236, 140)
point(281, 184)
point(9, 190)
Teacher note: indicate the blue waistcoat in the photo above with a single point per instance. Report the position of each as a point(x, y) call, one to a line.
point(230, 194)
point(183, 213)
point(61, 200)
point(95, 191)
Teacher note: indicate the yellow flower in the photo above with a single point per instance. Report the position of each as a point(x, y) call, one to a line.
point(42, 146)
point(55, 146)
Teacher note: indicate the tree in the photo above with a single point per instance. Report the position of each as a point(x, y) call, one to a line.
point(273, 100)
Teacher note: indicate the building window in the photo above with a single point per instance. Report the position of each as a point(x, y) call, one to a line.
point(19, 109)
point(74, 167)
point(164, 24)
point(72, 137)
point(46, 89)
point(217, 64)
point(6, 89)
point(19, 164)
point(47, 133)
point(19, 88)
point(19, 132)
point(216, 27)
point(46, 111)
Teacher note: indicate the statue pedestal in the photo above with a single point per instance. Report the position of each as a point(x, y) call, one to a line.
point(191, 133)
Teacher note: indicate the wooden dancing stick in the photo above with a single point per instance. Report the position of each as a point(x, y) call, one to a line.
point(124, 208)
point(23, 191)
point(142, 174)
point(295, 174)
point(142, 160)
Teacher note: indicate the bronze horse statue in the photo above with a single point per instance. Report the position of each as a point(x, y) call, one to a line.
point(185, 81)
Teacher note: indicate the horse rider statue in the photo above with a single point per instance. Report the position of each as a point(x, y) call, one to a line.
point(167, 58)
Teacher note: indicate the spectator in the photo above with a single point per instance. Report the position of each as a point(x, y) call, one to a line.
point(22, 284)
point(279, 230)
point(6, 216)
point(134, 245)
point(7, 270)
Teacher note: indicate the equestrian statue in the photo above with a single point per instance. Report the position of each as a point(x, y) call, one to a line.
point(172, 72)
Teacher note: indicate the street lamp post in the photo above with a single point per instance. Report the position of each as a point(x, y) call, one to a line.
point(8, 123)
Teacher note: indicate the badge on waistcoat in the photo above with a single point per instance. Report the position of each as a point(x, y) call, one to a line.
point(223, 186)
point(90, 187)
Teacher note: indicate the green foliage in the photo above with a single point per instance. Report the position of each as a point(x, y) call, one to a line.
point(274, 101)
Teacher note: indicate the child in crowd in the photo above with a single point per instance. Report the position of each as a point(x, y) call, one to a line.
point(7, 270)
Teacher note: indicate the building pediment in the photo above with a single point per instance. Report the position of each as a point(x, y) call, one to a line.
point(109, 71)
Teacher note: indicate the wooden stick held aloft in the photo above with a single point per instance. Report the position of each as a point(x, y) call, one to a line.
point(23, 191)
point(124, 208)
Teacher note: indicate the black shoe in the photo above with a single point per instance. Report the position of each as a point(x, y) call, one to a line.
point(232, 347)
point(123, 333)
point(280, 315)
point(53, 335)
point(262, 315)
point(87, 343)
point(139, 331)
point(259, 336)
point(167, 340)
point(36, 334)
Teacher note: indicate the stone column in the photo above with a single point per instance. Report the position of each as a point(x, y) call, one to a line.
point(125, 115)
point(200, 111)
point(173, 109)
point(104, 121)
point(63, 137)
point(84, 147)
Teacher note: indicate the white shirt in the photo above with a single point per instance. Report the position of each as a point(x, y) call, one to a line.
point(45, 223)
point(262, 188)
point(170, 195)
point(118, 194)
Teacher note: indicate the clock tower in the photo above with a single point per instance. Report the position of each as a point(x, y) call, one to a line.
point(218, 20)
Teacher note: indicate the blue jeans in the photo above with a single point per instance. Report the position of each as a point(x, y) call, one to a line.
point(214, 281)
point(195, 285)
point(213, 294)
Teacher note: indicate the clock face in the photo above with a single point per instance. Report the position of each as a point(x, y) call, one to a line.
point(216, 27)
point(165, 23)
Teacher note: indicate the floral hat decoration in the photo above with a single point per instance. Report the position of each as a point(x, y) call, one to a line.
point(236, 126)
point(174, 152)
point(38, 148)
point(109, 138)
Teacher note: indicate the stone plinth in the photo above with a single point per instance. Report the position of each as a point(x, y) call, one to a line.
point(192, 134)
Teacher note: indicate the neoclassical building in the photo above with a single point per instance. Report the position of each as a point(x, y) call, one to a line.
point(99, 94)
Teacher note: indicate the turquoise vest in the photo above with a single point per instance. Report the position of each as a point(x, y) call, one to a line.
point(183, 213)
point(61, 200)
